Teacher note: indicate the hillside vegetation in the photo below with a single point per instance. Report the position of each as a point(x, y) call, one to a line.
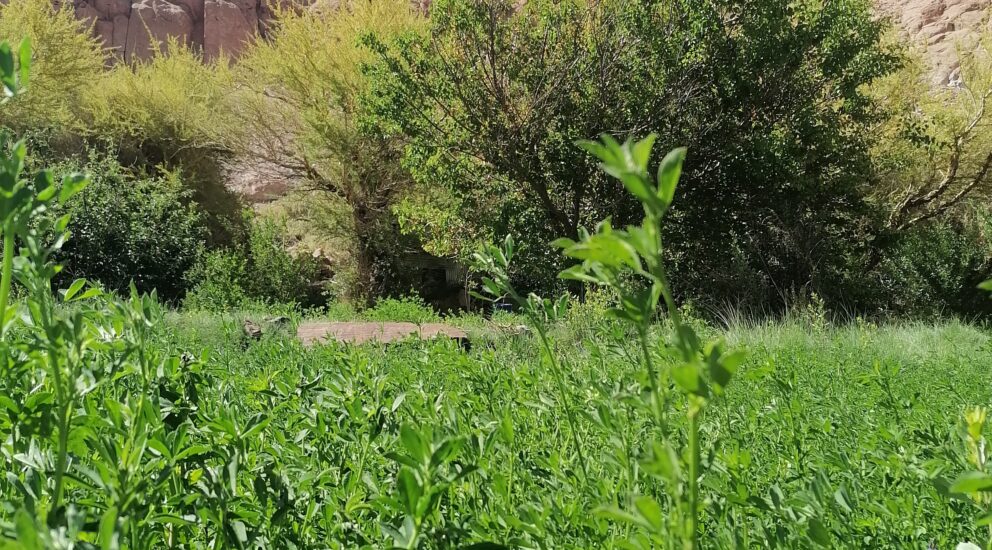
point(730, 263)
point(822, 162)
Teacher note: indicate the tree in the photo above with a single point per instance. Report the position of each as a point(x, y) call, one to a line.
point(298, 98)
point(766, 94)
point(938, 147)
point(67, 61)
point(170, 113)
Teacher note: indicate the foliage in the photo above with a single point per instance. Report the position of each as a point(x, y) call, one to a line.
point(298, 106)
point(411, 309)
point(608, 259)
point(130, 229)
point(170, 108)
point(115, 435)
point(218, 282)
point(767, 97)
point(933, 269)
point(264, 271)
point(67, 59)
point(933, 154)
point(170, 113)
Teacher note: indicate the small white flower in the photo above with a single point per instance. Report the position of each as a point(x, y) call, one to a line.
point(967, 546)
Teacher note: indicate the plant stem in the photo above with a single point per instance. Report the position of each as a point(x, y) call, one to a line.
point(62, 458)
point(5, 277)
point(560, 380)
point(642, 333)
point(695, 411)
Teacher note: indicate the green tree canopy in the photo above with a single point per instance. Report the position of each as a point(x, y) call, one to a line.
point(766, 94)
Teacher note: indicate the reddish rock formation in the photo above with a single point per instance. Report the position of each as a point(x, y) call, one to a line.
point(939, 25)
point(132, 28)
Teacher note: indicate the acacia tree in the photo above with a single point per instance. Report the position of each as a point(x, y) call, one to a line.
point(298, 98)
point(938, 147)
point(766, 94)
point(68, 57)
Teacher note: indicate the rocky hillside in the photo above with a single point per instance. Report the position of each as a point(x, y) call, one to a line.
point(939, 25)
point(128, 26)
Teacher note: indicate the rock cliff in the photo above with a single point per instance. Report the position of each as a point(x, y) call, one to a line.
point(938, 25)
point(131, 27)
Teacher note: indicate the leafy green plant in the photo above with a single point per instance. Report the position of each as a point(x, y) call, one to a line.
point(131, 229)
point(494, 262)
point(261, 272)
point(411, 309)
point(700, 371)
point(630, 264)
point(977, 483)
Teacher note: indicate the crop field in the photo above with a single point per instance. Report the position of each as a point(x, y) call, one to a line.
point(618, 420)
point(843, 437)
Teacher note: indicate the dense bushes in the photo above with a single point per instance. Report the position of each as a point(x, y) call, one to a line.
point(768, 97)
point(131, 228)
point(68, 61)
point(933, 269)
point(809, 154)
point(262, 271)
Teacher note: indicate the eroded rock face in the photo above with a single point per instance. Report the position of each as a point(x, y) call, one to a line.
point(134, 28)
point(940, 26)
point(129, 26)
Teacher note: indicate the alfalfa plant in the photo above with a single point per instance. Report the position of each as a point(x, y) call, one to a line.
point(12, 81)
point(977, 483)
point(494, 262)
point(629, 263)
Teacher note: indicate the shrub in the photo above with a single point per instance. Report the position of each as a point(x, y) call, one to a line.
point(768, 96)
point(276, 273)
point(262, 271)
point(68, 60)
point(129, 227)
point(219, 280)
point(170, 108)
point(170, 112)
point(933, 269)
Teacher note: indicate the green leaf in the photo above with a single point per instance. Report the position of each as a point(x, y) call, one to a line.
point(409, 489)
point(413, 442)
point(25, 61)
point(73, 289)
point(639, 187)
point(688, 378)
point(650, 510)
point(642, 151)
point(664, 462)
point(818, 533)
point(72, 184)
point(108, 527)
point(27, 533)
point(986, 285)
point(616, 514)
point(446, 451)
point(971, 482)
point(7, 68)
point(669, 173)
point(598, 150)
point(240, 531)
